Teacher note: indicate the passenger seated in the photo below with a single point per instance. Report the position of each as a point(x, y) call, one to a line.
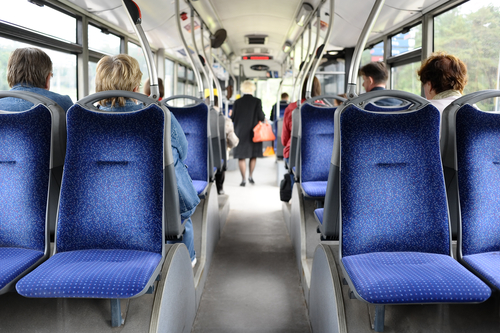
point(30, 69)
point(122, 72)
point(375, 76)
point(275, 114)
point(161, 88)
point(444, 78)
point(286, 134)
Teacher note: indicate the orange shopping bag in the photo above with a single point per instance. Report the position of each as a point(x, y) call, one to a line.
point(263, 132)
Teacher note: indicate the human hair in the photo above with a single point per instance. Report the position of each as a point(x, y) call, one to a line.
point(248, 87)
point(147, 89)
point(28, 66)
point(316, 88)
point(444, 72)
point(376, 70)
point(284, 95)
point(119, 72)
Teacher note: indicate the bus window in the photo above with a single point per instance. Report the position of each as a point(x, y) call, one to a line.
point(471, 32)
point(169, 78)
point(30, 16)
point(92, 71)
point(103, 41)
point(375, 53)
point(404, 42)
point(63, 67)
point(405, 78)
point(136, 52)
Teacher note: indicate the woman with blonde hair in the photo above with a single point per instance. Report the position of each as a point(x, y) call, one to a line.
point(247, 112)
point(122, 72)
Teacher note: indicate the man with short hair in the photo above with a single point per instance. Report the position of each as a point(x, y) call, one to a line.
point(375, 76)
point(30, 69)
point(284, 102)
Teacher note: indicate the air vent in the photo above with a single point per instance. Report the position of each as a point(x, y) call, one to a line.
point(256, 39)
point(260, 68)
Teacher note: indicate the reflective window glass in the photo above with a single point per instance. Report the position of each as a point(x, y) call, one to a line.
point(376, 53)
point(63, 67)
point(169, 78)
point(402, 43)
point(180, 91)
point(405, 78)
point(92, 74)
point(190, 75)
point(181, 71)
point(136, 52)
point(471, 32)
point(332, 84)
point(42, 19)
point(103, 42)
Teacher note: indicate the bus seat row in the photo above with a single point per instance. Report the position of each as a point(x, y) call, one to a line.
point(118, 200)
point(277, 128)
point(387, 198)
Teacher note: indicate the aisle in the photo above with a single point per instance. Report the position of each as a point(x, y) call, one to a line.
point(253, 283)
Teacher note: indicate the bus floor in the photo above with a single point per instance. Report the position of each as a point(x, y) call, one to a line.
point(253, 284)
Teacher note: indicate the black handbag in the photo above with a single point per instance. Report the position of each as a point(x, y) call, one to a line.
point(286, 188)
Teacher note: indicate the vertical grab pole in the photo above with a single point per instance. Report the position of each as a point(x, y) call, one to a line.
point(216, 80)
point(200, 82)
point(134, 14)
point(319, 56)
point(210, 69)
point(186, 48)
point(358, 51)
point(310, 62)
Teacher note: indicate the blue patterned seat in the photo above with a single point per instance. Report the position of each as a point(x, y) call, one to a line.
point(26, 174)
point(110, 234)
point(395, 235)
point(194, 120)
point(477, 156)
point(316, 145)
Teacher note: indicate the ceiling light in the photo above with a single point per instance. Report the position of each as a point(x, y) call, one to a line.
point(303, 15)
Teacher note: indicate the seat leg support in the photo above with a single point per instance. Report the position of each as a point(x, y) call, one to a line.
point(379, 318)
point(116, 313)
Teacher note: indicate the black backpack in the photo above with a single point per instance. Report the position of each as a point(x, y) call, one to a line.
point(286, 188)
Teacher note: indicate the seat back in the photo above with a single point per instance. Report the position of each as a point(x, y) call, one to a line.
point(117, 178)
point(316, 142)
point(215, 138)
point(32, 148)
point(476, 143)
point(222, 138)
point(392, 187)
point(294, 142)
point(194, 122)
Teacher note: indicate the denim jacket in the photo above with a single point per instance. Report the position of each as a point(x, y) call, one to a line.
point(188, 197)
point(16, 104)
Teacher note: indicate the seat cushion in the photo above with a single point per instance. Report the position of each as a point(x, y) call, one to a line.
point(413, 277)
point(199, 186)
point(314, 189)
point(91, 274)
point(486, 264)
point(14, 261)
point(318, 213)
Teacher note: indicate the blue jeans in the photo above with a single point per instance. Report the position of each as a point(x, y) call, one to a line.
point(187, 238)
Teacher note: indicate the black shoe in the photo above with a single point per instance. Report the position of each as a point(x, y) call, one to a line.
point(250, 179)
point(243, 184)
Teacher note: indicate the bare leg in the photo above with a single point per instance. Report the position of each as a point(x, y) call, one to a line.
point(243, 169)
point(253, 162)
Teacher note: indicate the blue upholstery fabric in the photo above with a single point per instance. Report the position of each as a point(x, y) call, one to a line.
point(392, 186)
point(478, 157)
point(24, 177)
point(315, 189)
point(411, 277)
point(319, 214)
point(316, 144)
point(91, 274)
point(199, 186)
point(194, 122)
point(112, 187)
point(374, 107)
point(14, 261)
point(487, 264)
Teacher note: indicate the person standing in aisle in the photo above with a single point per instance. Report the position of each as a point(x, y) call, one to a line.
point(247, 112)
